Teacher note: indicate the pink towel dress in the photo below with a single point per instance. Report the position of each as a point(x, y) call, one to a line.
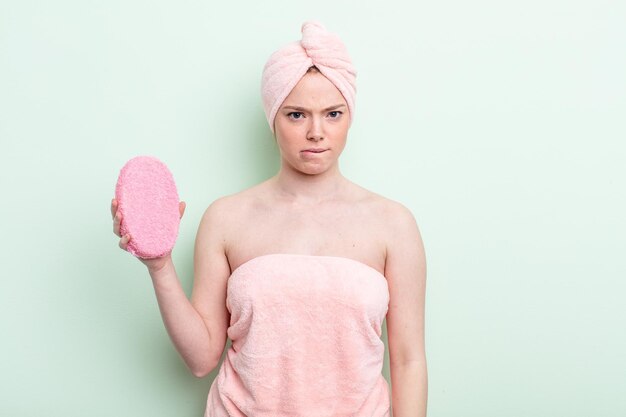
point(305, 333)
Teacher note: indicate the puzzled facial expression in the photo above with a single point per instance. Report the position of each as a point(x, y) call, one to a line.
point(314, 116)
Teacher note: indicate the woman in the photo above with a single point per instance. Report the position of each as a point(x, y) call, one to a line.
point(301, 269)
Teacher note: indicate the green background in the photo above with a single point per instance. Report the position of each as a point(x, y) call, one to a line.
point(500, 124)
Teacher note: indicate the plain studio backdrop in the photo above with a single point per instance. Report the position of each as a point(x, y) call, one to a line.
point(500, 124)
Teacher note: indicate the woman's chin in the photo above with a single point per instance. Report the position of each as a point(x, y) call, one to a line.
point(312, 168)
point(309, 166)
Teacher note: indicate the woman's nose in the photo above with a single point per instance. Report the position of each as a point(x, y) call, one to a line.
point(316, 129)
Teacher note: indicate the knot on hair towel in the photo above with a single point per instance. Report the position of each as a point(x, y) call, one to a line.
point(286, 66)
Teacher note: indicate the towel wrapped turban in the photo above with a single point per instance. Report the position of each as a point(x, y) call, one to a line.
point(286, 66)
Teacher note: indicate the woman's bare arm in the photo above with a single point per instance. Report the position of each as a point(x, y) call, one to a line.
point(197, 327)
point(184, 324)
point(405, 270)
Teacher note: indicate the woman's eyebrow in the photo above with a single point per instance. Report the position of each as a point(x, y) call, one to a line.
point(336, 106)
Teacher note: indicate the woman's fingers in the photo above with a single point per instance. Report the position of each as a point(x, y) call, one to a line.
point(181, 208)
point(116, 224)
point(124, 241)
point(117, 218)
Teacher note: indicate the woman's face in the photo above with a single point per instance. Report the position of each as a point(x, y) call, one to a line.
point(314, 115)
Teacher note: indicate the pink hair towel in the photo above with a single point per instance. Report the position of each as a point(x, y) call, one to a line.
point(148, 202)
point(286, 66)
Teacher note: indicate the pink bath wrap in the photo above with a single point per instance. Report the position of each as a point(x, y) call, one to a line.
point(305, 333)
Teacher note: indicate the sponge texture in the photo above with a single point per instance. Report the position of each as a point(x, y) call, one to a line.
point(148, 202)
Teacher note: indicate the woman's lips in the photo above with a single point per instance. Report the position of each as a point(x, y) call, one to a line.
point(314, 151)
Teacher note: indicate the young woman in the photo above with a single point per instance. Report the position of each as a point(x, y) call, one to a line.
point(301, 270)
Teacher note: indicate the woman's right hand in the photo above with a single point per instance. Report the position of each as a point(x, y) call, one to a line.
point(153, 264)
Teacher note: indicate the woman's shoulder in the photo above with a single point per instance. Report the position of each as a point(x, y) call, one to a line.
point(383, 205)
point(397, 225)
point(237, 201)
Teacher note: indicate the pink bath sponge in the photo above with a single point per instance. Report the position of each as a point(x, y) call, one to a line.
point(148, 202)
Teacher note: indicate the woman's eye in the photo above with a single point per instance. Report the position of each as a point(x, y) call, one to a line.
point(336, 111)
point(294, 113)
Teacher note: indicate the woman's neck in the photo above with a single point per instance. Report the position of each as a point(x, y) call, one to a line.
point(309, 189)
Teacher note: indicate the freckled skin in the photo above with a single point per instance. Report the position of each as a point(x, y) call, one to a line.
point(317, 128)
point(308, 206)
